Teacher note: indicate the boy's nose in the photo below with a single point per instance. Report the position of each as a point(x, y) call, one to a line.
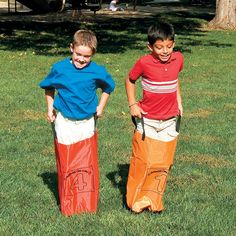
point(81, 58)
point(165, 50)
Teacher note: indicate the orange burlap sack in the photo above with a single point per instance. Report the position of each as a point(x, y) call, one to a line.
point(78, 176)
point(149, 168)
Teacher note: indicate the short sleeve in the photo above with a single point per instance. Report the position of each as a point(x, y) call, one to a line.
point(47, 83)
point(106, 83)
point(136, 71)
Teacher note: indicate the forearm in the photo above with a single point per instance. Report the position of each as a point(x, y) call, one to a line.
point(179, 99)
point(49, 96)
point(135, 110)
point(103, 99)
point(102, 103)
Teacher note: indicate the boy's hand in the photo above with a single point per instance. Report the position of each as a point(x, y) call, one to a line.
point(99, 111)
point(51, 116)
point(180, 107)
point(137, 111)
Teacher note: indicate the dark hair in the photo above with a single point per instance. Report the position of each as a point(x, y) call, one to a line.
point(160, 31)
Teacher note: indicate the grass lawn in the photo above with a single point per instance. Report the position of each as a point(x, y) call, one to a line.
point(200, 193)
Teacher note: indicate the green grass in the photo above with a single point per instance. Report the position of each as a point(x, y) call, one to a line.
point(200, 194)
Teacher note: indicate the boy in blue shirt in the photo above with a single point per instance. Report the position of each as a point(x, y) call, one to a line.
point(73, 110)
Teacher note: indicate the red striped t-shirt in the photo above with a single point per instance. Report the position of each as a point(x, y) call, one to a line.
point(159, 84)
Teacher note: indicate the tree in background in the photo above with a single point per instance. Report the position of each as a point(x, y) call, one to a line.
point(225, 17)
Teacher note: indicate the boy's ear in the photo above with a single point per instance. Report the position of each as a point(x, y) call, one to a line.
point(71, 48)
point(150, 47)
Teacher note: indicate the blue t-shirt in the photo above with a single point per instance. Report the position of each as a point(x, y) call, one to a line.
point(76, 96)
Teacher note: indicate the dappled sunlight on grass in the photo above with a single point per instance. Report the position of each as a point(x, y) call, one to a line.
point(200, 138)
point(48, 151)
point(30, 115)
point(205, 159)
point(230, 106)
point(12, 127)
point(201, 113)
point(187, 180)
point(200, 94)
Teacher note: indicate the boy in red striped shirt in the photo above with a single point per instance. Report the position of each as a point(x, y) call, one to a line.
point(155, 117)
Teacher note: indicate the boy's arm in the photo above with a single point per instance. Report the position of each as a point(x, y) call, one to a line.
point(179, 99)
point(135, 110)
point(102, 103)
point(51, 114)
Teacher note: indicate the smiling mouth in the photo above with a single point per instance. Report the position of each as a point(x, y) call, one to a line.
point(80, 65)
point(165, 56)
point(80, 62)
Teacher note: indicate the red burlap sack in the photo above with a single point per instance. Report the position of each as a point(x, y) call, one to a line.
point(149, 168)
point(78, 176)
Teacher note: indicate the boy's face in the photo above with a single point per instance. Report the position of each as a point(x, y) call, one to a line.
point(162, 49)
point(81, 55)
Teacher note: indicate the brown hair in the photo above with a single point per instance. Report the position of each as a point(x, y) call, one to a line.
point(85, 38)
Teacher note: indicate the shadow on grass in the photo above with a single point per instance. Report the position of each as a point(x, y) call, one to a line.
point(119, 180)
point(115, 35)
point(50, 179)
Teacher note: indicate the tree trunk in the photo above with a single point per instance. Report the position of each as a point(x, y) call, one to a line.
point(225, 17)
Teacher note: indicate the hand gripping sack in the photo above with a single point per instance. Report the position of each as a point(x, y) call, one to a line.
point(78, 176)
point(149, 168)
